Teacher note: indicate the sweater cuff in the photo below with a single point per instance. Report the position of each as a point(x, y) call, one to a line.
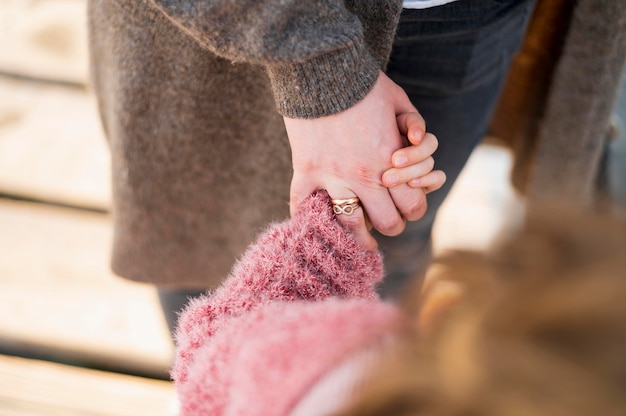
point(324, 85)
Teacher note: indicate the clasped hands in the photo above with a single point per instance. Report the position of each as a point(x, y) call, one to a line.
point(377, 150)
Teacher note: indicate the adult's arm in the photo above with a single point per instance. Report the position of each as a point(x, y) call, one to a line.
point(322, 56)
point(324, 59)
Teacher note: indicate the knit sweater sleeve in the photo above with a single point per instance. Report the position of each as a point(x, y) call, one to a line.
point(309, 257)
point(322, 56)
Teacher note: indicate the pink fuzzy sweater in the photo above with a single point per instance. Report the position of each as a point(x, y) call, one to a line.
point(299, 302)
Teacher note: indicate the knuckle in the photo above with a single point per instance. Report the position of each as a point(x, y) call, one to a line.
point(352, 221)
point(433, 142)
point(366, 175)
point(416, 120)
point(417, 208)
point(430, 163)
point(391, 226)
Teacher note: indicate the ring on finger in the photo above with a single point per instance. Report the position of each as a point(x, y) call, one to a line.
point(345, 206)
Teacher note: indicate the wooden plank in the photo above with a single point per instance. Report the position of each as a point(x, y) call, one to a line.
point(33, 387)
point(51, 144)
point(45, 39)
point(58, 297)
point(52, 147)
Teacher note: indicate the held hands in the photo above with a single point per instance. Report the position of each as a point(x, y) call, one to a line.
point(413, 165)
point(376, 150)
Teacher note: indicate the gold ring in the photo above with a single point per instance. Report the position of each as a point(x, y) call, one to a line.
point(345, 206)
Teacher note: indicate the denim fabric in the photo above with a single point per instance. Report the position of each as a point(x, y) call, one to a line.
point(452, 61)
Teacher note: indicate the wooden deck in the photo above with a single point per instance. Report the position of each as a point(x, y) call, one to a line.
point(34, 388)
point(56, 292)
point(63, 314)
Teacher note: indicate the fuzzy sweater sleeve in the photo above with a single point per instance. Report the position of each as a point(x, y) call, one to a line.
point(300, 298)
point(309, 257)
point(322, 56)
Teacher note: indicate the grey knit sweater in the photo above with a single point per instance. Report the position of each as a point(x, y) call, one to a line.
point(321, 56)
point(188, 92)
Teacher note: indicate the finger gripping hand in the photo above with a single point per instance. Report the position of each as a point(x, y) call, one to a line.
point(347, 153)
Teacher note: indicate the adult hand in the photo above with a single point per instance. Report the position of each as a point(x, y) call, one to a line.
point(347, 154)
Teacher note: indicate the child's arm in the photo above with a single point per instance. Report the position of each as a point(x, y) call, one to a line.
point(310, 257)
point(413, 165)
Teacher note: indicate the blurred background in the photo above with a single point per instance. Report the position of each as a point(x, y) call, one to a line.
point(74, 338)
point(70, 331)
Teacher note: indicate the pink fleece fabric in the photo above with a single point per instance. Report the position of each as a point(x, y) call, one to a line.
point(300, 299)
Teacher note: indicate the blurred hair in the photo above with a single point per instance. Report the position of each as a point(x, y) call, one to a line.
point(536, 327)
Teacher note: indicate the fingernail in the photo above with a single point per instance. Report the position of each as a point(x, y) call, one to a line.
point(392, 179)
point(416, 182)
point(400, 160)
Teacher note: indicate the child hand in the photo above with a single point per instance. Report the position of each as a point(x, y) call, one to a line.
point(413, 165)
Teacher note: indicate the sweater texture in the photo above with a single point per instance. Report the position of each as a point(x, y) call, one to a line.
point(298, 302)
point(188, 92)
point(310, 49)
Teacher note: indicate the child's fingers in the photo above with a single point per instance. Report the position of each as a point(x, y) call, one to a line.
point(412, 125)
point(411, 155)
point(395, 176)
point(429, 182)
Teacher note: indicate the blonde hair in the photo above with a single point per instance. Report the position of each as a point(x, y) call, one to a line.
point(540, 329)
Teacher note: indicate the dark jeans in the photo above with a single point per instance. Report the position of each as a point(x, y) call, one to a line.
point(172, 302)
point(451, 60)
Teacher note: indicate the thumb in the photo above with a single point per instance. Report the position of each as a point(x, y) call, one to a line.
point(399, 98)
point(412, 126)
